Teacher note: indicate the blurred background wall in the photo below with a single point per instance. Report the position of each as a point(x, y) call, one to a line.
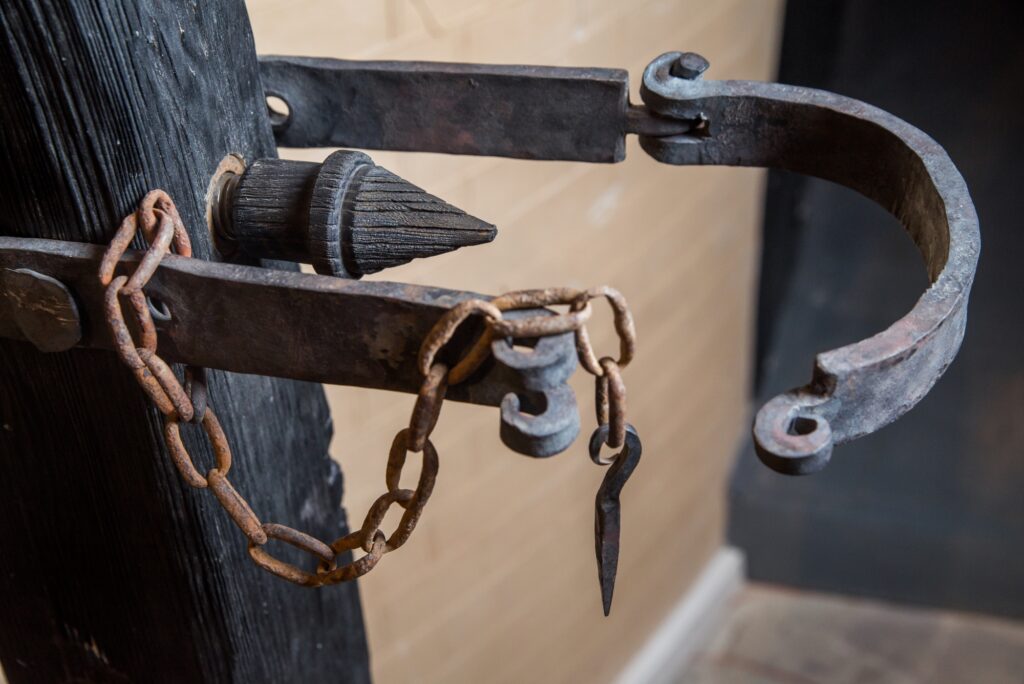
point(498, 583)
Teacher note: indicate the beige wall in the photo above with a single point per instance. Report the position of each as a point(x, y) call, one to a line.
point(498, 583)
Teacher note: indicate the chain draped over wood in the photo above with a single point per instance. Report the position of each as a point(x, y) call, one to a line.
point(161, 226)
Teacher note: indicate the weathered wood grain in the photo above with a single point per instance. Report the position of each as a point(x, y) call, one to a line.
point(111, 568)
point(346, 217)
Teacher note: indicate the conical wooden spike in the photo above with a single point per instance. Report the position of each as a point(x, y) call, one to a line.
point(347, 217)
point(389, 221)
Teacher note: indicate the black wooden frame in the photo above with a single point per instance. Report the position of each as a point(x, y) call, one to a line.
point(111, 568)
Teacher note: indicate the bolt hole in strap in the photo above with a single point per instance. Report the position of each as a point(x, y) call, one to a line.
point(862, 387)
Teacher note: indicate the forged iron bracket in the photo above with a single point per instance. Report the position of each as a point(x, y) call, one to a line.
point(265, 321)
point(859, 388)
point(585, 114)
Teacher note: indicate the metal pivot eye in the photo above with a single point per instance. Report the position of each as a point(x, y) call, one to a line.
point(158, 309)
point(802, 426)
point(279, 111)
point(861, 387)
point(541, 417)
point(540, 424)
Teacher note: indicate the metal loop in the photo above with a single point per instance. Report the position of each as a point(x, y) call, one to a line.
point(180, 456)
point(624, 326)
point(425, 485)
point(123, 342)
point(198, 393)
point(532, 299)
point(413, 502)
point(299, 540)
point(378, 509)
point(445, 328)
point(237, 508)
point(159, 202)
point(424, 488)
point(358, 567)
point(610, 401)
point(539, 326)
point(428, 407)
point(601, 399)
point(397, 455)
point(126, 350)
point(476, 355)
point(168, 383)
point(158, 247)
point(116, 249)
point(599, 437)
point(156, 209)
point(144, 317)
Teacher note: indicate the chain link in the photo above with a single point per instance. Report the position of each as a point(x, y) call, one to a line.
point(162, 227)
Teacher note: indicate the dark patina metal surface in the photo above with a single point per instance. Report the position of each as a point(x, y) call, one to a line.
point(526, 112)
point(862, 387)
point(607, 510)
point(307, 327)
point(40, 309)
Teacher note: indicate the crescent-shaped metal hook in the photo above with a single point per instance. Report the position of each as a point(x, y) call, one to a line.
point(541, 418)
point(540, 424)
point(862, 387)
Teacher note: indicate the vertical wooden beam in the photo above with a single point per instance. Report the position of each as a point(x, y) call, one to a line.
point(111, 568)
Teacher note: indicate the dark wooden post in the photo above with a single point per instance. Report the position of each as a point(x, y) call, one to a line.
point(111, 569)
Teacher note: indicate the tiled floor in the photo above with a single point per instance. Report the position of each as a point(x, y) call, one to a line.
point(773, 635)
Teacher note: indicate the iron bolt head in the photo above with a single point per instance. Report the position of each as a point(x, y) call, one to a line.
point(690, 66)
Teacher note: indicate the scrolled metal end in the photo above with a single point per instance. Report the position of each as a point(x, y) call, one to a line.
point(790, 438)
point(689, 65)
point(551, 362)
point(540, 424)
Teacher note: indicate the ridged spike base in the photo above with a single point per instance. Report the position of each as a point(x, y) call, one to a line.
point(347, 217)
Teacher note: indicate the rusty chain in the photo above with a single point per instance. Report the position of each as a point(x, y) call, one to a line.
point(161, 226)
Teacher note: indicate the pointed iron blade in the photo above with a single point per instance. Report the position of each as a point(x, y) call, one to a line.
point(607, 516)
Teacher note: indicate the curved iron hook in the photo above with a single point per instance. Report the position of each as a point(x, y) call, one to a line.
point(540, 419)
point(862, 387)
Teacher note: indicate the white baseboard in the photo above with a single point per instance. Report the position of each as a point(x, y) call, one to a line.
point(668, 650)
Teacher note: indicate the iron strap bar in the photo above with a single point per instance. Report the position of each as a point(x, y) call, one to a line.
point(525, 112)
point(280, 323)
